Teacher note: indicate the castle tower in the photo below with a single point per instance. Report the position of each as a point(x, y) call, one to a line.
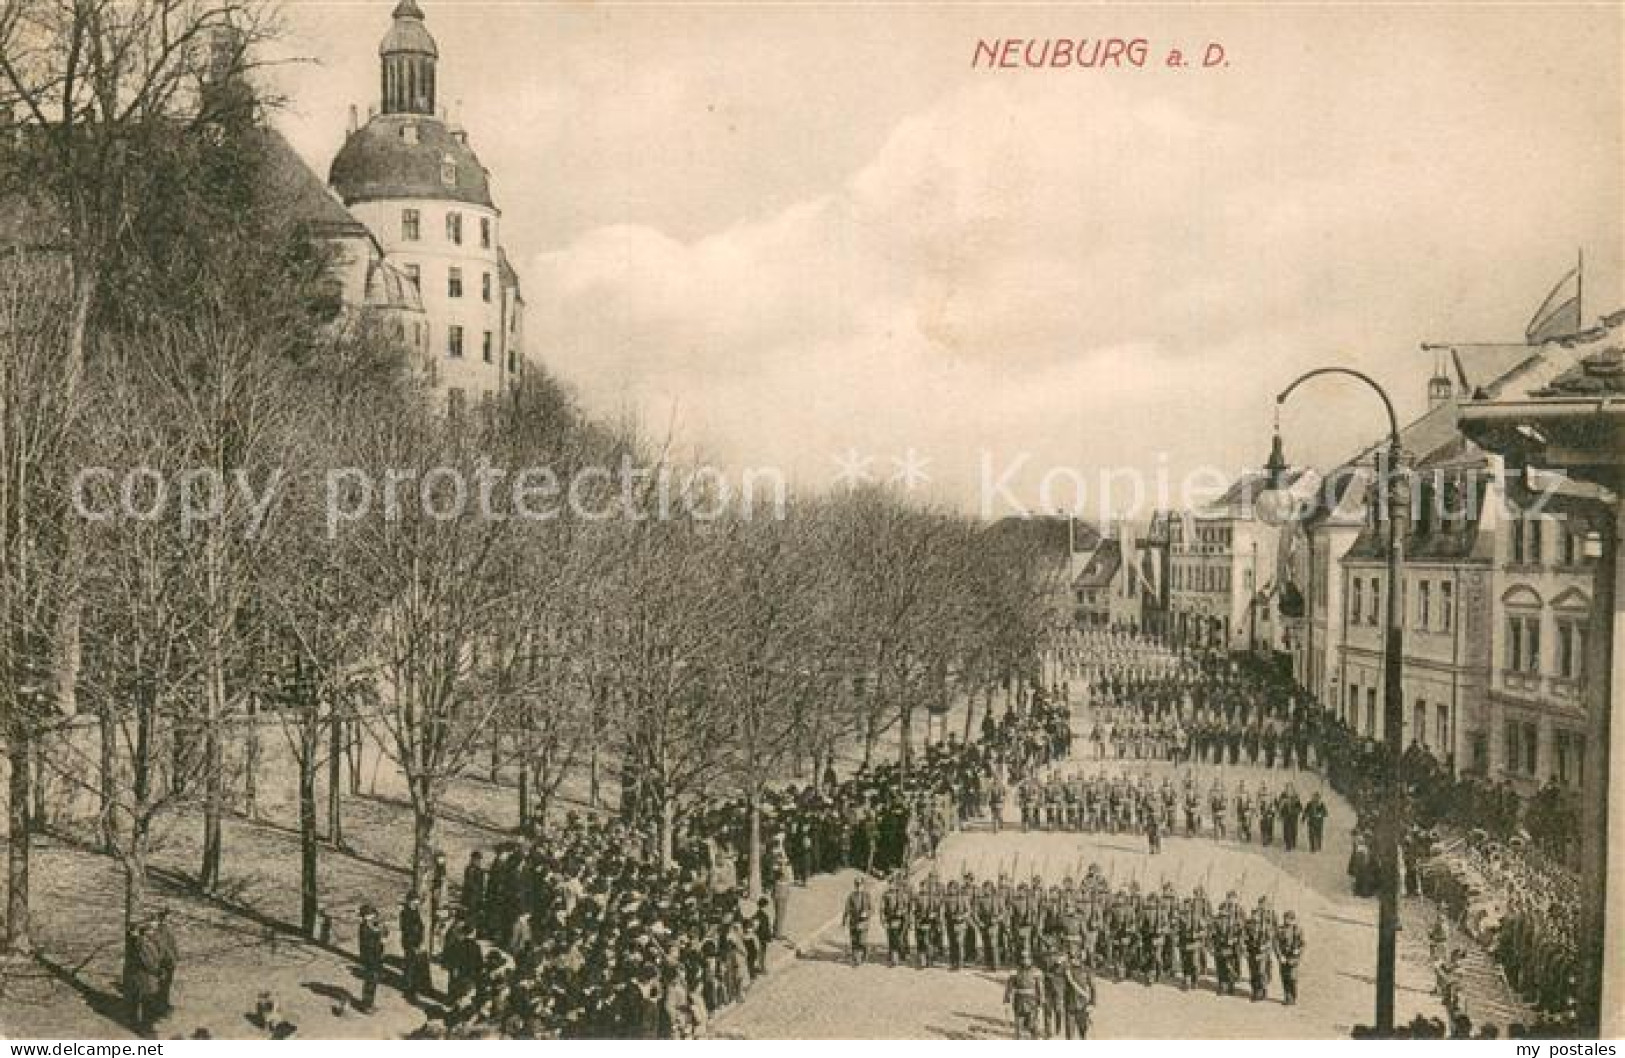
point(411, 177)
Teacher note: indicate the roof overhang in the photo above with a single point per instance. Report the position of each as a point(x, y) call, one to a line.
point(1583, 436)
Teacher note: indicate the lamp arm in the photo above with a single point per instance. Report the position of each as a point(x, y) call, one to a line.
point(1387, 405)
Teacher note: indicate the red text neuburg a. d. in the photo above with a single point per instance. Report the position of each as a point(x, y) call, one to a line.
point(1090, 53)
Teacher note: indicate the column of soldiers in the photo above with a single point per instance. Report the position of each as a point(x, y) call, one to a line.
point(1083, 929)
point(1116, 802)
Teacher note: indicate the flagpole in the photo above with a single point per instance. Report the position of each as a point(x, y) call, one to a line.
point(1579, 286)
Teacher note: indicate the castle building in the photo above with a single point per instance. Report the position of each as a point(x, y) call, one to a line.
point(410, 176)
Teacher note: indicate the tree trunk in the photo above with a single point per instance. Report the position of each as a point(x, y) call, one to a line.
point(214, 779)
point(423, 829)
point(107, 790)
point(905, 736)
point(37, 760)
point(754, 862)
point(20, 841)
point(496, 755)
point(251, 763)
point(335, 777)
point(307, 834)
point(524, 792)
point(668, 825)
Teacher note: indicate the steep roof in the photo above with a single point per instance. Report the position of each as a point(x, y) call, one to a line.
point(1102, 566)
point(1048, 532)
point(296, 190)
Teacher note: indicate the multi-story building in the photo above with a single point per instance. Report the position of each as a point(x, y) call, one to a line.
point(1541, 632)
point(1096, 584)
point(1222, 558)
point(410, 176)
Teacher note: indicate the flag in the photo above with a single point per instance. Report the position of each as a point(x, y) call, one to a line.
point(1559, 315)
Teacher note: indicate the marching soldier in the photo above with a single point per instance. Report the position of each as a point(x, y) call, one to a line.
point(1153, 832)
point(896, 908)
point(371, 950)
point(1266, 816)
point(1192, 942)
point(1261, 928)
point(956, 914)
point(1193, 810)
point(1079, 995)
point(1023, 993)
point(1217, 803)
point(1288, 950)
point(856, 919)
point(1229, 940)
point(990, 915)
point(1291, 810)
point(1244, 812)
point(927, 922)
point(1314, 814)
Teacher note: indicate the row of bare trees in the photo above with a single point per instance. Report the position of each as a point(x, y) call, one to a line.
point(166, 325)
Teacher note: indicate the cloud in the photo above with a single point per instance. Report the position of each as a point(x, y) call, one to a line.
point(1089, 272)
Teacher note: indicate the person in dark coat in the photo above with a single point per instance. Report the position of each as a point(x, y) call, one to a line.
point(143, 960)
point(473, 895)
point(168, 959)
point(371, 945)
point(414, 949)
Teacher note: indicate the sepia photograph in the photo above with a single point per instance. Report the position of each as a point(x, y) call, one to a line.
point(715, 520)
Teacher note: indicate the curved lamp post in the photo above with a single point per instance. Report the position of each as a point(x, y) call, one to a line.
point(1393, 703)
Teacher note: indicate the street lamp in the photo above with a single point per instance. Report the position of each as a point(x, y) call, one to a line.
point(1393, 703)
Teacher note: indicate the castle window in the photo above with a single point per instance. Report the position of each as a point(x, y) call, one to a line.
point(485, 347)
point(485, 233)
point(485, 286)
point(411, 225)
point(454, 282)
point(454, 228)
point(513, 362)
point(454, 342)
point(448, 173)
point(415, 274)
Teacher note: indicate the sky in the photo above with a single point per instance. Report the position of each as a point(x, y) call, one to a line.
point(816, 237)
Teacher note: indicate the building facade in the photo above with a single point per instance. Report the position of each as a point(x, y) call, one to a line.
point(411, 178)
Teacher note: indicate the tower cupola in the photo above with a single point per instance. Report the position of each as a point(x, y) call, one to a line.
point(407, 61)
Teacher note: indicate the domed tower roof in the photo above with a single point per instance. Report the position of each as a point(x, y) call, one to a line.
point(408, 35)
point(408, 156)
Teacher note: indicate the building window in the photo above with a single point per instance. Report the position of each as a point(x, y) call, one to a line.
point(1531, 749)
point(1532, 541)
point(454, 282)
point(1571, 649)
point(1424, 605)
point(485, 286)
point(454, 342)
point(415, 274)
point(1441, 740)
point(1514, 747)
point(1370, 712)
point(1447, 608)
point(1573, 548)
point(411, 225)
point(1523, 643)
point(513, 362)
point(448, 172)
point(485, 233)
point(485, 347)
point(454, 228)
point(1356, 597)
point(1374, 602)
point(1419, 722)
